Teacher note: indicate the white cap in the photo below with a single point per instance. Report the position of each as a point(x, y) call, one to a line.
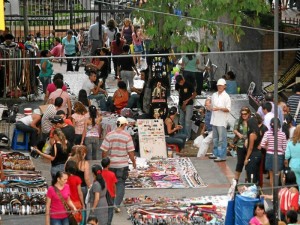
point(221, 81)
point(122, 120)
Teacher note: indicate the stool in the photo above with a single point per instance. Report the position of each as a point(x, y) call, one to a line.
point(17, 145)
point(173, 147)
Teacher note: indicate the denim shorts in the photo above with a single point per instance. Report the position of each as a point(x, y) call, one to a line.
point(138, 49)
point(269, 162)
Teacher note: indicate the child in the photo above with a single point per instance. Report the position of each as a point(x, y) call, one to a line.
point(110, 180)
point(92, 220)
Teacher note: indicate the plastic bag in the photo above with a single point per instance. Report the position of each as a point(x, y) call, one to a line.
point(198, 141)
point(47, 147)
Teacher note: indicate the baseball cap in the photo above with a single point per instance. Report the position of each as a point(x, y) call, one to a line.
point(56, 119)
point(122, 120)
point(221, 81)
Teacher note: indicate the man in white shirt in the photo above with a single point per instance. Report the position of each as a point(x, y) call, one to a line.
point(267, 110)
point(221, 106)
point(94, 91)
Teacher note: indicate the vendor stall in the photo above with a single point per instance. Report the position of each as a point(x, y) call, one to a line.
point(164, 173)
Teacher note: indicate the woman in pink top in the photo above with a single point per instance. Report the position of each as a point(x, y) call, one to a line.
point(56, 214)
point(137, 40)
point(78, 119)
point(51, 87)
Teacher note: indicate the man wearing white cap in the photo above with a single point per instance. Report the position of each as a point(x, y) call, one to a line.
point(221, 105)
point(118, 145)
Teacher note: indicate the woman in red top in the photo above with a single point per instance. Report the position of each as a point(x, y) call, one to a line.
point(116, 48)
point(75, 185)
point(110, 180)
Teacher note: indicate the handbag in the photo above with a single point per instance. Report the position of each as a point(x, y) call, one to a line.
point(71, 217)
point(76, 47)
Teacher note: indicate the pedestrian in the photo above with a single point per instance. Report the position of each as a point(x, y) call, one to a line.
point(59, 152)
point(231, 84)
point(98, 202)
point(50, 112)
point(74, 183)
point(172, 129)
point(30, 124)
point(79, 117)
point(92, 220)
point(187, 94)
point(59, 191)
point(127, 67)
point(221, 107)
point(288, 127)
point(240, 130)
point(82, 97)
point(91, 133)
point(127, 31)
point(137, 40)
point(59, 92)
point(190, 68)
point(83, 168)
point(95, 40)
point(46, 69)
point(292, 217)
point(137, 92)
point(116, 49)
point(62, 114)
point(292, 154)
point(267, 110)
point(118, 145)
point(69, 44)
point(294, 103)
point(68, 130)
point(56, 50)
point(253, 153)
point(95, 91)
point(51, 87)
point(110, 180)
point(268, 143)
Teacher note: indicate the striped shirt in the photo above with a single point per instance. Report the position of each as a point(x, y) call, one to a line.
point(293, 101)
point(46, 123)
point(268, 142)
point(118, 143)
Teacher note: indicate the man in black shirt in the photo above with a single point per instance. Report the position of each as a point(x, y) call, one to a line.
point(68, 130)
point(187, 94)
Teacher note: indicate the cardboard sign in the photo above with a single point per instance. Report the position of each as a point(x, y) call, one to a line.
point(152, 138)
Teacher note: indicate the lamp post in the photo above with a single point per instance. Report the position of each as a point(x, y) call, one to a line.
point(71, 14)
point(100, 24)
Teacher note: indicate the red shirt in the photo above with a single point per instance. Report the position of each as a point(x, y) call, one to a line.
point(110, 180)
point(73, 182)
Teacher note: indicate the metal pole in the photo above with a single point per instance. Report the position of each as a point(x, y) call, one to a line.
point(71, 14)
point(275, 160)
point(100, 25)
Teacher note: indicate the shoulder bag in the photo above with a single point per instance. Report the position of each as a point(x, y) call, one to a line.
point(74, 217)
point(76, 47)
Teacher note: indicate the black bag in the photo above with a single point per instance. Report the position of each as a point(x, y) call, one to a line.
point(76, 47)
point(109, 199)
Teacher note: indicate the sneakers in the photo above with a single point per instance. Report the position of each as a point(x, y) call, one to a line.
point(117, 210)
point(219, 160)
point(212, 156)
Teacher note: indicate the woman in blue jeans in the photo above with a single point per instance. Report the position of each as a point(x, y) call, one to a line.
point(171, 129)
point(91, 134)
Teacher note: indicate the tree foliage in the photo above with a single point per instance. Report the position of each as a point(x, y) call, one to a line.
point(172, 22)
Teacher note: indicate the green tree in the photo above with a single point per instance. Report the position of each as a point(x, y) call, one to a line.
point(166, 29)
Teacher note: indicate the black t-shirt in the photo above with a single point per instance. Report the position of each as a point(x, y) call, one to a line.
point(126, 63)
point(61, 156)
point(104, 68)
point(69, 132)
point(185, 92)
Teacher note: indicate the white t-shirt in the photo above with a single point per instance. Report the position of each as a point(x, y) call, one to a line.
point(111, 34)
point(267, 120)
point(88, 85)
point(220, 118)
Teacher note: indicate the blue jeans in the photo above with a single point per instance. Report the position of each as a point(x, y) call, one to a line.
point(93, 147)
point(177, 139)
point(134, 101)
point(100, 98)
point(219, 141)
point(185, 120)
point(45, 81)
point(110, 213)
point(64, 221)
point(122, 175)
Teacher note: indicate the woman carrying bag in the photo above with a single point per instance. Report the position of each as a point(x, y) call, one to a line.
point(58, 196)
point(70, 47)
